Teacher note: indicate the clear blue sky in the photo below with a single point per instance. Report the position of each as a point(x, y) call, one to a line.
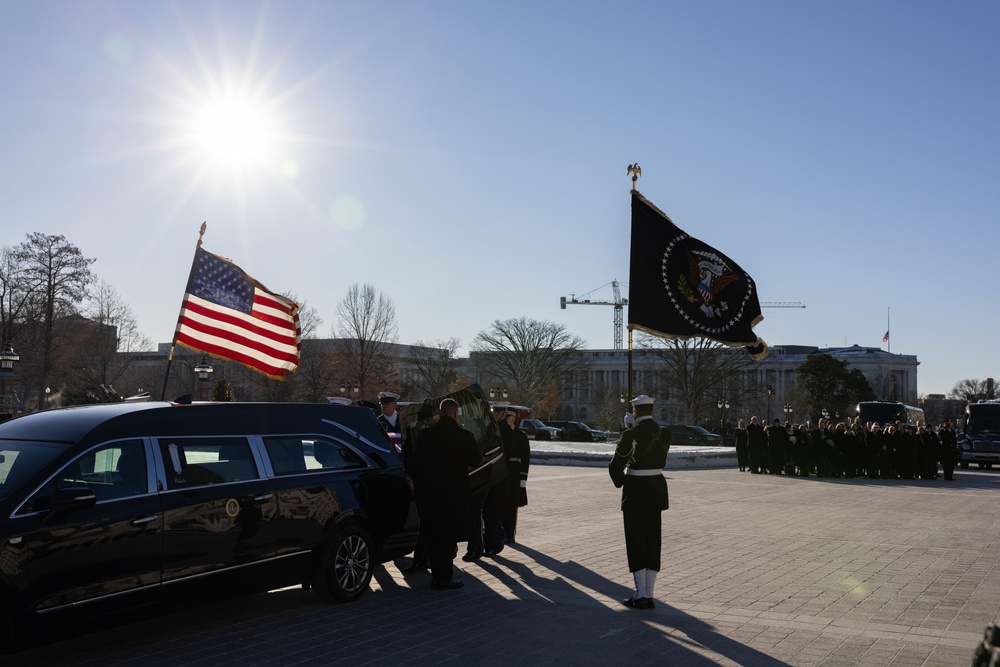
point(468, 158)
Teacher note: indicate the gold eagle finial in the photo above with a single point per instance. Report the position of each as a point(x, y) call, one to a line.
point(635, 171)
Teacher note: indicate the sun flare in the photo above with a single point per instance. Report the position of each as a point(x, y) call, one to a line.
point(236, 133)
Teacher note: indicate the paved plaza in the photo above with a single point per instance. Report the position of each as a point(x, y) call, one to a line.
point(757, 570)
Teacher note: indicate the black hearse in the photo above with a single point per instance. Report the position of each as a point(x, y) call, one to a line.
point(109, 507)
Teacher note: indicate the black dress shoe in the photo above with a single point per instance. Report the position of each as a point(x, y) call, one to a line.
point(447, 585)
point(639, 603)
point(415, 568)
point(471, 556)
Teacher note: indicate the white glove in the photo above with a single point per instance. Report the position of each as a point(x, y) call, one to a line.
point(524, 483)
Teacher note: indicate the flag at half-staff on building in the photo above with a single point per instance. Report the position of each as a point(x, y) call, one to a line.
point(680, 287)
point(229, 315)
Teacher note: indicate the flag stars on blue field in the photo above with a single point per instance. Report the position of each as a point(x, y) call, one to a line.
point(221, 283)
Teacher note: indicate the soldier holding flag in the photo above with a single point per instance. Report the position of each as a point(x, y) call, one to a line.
point(637, 467)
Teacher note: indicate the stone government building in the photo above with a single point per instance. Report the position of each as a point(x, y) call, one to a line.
point(602, 381)
point(891, 376)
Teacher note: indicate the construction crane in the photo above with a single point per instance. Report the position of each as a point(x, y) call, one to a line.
point(617, 303)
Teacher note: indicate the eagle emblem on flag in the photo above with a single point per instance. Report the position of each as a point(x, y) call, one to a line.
point(699, 290)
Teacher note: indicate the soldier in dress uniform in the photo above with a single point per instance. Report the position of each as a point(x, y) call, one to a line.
point(643, 451)
point(518, 460)
point(389, 418)
point(498, 497)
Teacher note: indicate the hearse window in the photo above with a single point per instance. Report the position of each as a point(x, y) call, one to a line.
point(21, 460)
point(111, 471)
point(290, 455)
point(193, 462)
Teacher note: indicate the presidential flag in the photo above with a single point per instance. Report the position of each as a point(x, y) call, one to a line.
point(228, 314)
point(680, 287)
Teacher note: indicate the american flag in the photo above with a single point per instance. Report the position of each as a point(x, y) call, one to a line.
point(885, 338)
point(228, 314)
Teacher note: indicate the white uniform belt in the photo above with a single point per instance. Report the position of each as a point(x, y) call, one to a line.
point(644, 472)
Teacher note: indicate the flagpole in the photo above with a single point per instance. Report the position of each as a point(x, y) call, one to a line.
point(888, 330)
point(635, 171)
point(173, 341)
point(629, 396)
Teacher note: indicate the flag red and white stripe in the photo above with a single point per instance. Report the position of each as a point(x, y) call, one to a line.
point(885, 338)
point(228, 314)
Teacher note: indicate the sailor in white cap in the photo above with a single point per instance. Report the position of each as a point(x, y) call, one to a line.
point(637, 467)
point(389, 419)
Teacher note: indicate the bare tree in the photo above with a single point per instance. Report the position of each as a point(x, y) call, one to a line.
point(57, 276)
point(610, 411)
point(530, 356)
point(697, 372)
point(114, 340)
point(318, 374)
point(14, 296)
point(434, 366)
point(972, 389)
point(367, 331)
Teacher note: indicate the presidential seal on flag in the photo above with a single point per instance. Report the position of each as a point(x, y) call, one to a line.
point(700, 291)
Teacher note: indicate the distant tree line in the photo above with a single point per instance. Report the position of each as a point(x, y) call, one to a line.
point(79, 342)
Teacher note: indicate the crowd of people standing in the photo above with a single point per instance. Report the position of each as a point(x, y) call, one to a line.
point(847, 449)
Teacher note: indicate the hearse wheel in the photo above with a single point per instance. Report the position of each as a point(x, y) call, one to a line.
point(345, 566)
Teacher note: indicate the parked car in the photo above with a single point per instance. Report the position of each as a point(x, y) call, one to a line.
point(694, 436)
point(728, 435)
point(538, 430)
point(111, 507)
point(578, 432)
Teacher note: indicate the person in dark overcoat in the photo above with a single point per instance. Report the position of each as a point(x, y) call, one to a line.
point(742, 446)
point(948, 453)
point(777, 440)
point(444, 454)
point(637, 467)
point(518, 460)
point(928, 447)
point(425, 417)
point(757, 446)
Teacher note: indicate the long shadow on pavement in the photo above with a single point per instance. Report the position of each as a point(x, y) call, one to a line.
point(577, 577)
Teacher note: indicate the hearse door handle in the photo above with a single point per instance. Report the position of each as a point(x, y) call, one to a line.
point(144, 520)
point(263, 497)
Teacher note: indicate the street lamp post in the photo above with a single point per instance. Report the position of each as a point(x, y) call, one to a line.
point(723, 408)
point(788, 412)
point(345, 386)
point(770, 393)
point(498, 391)
point(8, 357)
point(203, 372)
